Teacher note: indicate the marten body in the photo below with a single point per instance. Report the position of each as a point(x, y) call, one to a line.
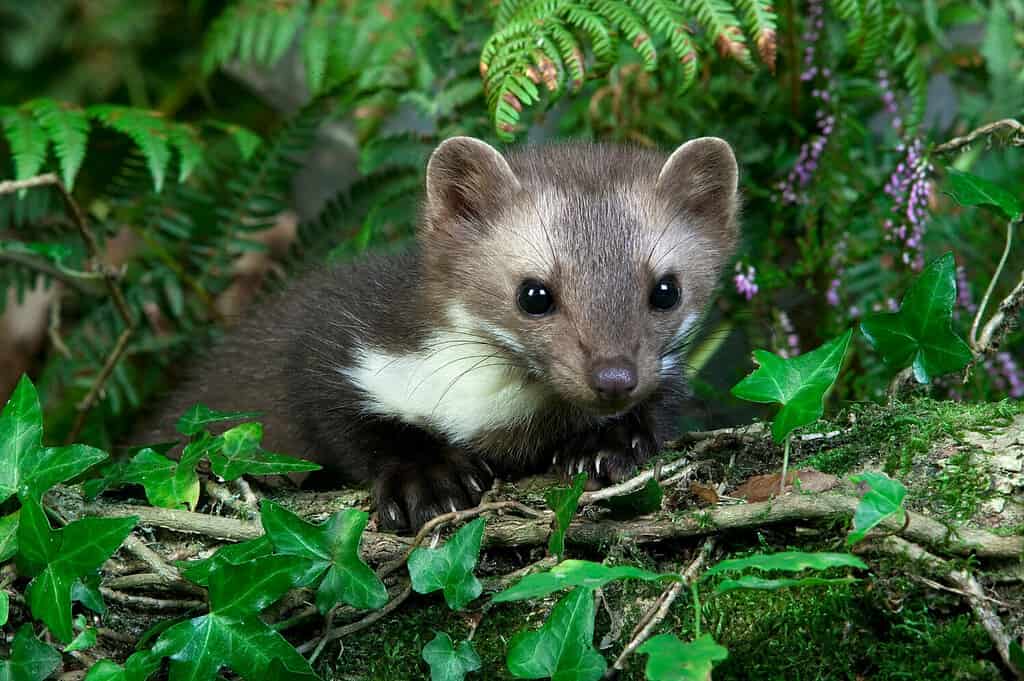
point(541, 320)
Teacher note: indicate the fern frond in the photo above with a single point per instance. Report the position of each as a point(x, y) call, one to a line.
point(68, 127)
point(147, 129)
point(873, 34)
point(316, 45)
point(668, 20)
point(632, 26)
point(720, 23)
point(253, 31)
point(246, 140)
point(596, 29)
point(762, 21)
point(28, 142)
point(396, 151)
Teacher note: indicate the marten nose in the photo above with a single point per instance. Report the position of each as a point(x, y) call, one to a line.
point(614, 379)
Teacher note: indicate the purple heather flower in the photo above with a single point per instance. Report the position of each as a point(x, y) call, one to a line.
point(792, 348)
point(910, 190)
point(811, 152)
point(963, 291)
point(745, 281)
point(1006, 374)
point(832, 295)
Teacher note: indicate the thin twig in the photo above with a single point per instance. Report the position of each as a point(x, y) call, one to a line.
point(957, 143)
point(53, 328)
point(635, 483)
point(149, 603)
point(999, 324)
point(373, 617)
point(455, 516)
point(138, 548)
point(111, 279)
point(968, 587)
point(657, 613)
point(328, 625)
point(83, 285)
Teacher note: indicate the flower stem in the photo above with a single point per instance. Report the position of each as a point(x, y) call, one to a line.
point(992, 284)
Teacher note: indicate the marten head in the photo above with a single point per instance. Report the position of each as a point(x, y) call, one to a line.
point(587, 266)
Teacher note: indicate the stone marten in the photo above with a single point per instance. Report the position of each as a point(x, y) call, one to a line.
point(541, 320)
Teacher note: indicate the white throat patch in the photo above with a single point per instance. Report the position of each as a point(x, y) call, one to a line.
point(460, 384)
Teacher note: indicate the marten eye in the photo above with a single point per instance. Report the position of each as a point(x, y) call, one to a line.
point(665, 294)
point(534, 298)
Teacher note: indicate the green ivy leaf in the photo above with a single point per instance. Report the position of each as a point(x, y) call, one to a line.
point(882, 500)
point(562, 649)
point(564, 501)
point(86, 639)
point(333, 551)
point(575, 573)
point(168, 483)
point(31, 660)
point(921, 332)
point(240, 453)
point(199, 416)
point(754, 583)
point(1017, 654)
point(450, 567)
point(86, 590)
point(198, 571)
point(106, 670)
point(448, 663)
point(26, 467)
point(799, 384)
point(787, 561)
point(971, 190)
point(63, 556)
point(669, 659)
point(5, 607)
point(645, 500)
point(8, 536)
point(68, 127)
point(232, 635)
point(138, 667)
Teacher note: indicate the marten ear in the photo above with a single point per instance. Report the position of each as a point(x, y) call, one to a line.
point(466, 179)
point(699, 182)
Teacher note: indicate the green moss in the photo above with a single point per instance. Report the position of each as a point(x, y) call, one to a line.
point(390, 650)
point(838, 633)
point(959, 489)
point(898, 434)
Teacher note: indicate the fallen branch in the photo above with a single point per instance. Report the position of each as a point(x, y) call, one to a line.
point(1013, 127)
point(508, 531)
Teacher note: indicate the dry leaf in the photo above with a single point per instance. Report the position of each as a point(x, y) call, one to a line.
point(764, 487)
point(706, 494)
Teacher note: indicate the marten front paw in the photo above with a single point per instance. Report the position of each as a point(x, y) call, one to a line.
point(409, 494)
point(609, 454)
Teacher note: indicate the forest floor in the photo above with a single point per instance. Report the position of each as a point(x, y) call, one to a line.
point(906, 618)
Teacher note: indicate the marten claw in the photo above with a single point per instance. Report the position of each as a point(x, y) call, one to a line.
point(411, 493)
point(608, 455)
